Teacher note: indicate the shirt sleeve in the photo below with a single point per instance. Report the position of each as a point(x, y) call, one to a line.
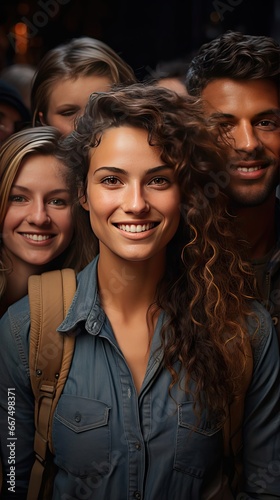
point(16, 405)
point(261, 430)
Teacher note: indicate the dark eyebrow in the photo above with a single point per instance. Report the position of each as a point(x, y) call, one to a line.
point(219, 115)
point(62, 107)
point(272, 111)
point(117, 170)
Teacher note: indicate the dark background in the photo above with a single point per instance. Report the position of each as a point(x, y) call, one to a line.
point(143, 33)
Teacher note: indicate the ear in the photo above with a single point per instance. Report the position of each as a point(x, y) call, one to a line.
point(83, 200)
point(41, 118)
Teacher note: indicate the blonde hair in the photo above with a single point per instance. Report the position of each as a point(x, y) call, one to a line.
point(42, 141)
point(83, 56)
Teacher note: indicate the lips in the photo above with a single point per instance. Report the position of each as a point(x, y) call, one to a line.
point(247, 169)
point(37, 237)
point(136, 228)
point(250, 166)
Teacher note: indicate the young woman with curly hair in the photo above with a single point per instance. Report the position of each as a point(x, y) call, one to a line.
point(164, 319)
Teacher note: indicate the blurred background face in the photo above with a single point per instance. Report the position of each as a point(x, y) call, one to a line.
point(173, 84)
point(9, 117)
point(68, 99)
point(38, 224)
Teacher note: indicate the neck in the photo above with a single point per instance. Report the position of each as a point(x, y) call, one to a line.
point(125, 285)
point(258, 226)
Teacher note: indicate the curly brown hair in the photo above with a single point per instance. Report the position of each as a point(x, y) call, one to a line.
point(234, 55)
point(207, 286)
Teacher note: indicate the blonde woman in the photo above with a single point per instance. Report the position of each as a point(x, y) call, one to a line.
point(41, 226)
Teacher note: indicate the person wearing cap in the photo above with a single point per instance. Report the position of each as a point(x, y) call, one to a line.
point(14, 115)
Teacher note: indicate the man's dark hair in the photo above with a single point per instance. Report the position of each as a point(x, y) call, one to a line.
point(234, 55)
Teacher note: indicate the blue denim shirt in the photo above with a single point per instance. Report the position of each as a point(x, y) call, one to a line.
point(114, 444)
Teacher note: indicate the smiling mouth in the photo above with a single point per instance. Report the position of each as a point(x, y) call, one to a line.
point(37, 237)
point(136, 228)
point(248, 169)
point(250, 166)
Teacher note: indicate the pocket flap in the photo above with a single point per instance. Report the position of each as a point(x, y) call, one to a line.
point(81, 414)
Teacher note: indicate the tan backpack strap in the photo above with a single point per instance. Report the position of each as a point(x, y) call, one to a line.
point(50, 296)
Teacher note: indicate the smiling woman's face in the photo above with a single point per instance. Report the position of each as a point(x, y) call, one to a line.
point(38, 225)
point(132, 196)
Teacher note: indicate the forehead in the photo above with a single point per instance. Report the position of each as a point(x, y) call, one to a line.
point(41, 170)
point(173, 84)
point(238, 97)
point(124, 147)
point(76, 91)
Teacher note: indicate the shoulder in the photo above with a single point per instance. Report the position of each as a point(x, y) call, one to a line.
point(16, 316)
point(14, 328)
point(261, 318)
point(262, 334)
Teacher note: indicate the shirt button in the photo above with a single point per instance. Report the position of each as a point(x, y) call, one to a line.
point(137, 495)
point(138, 446)
point(275, 320)
point(78, 417)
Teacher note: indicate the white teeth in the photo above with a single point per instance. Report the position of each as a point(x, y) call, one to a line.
point(250, 169)
point(37, 237)
point(133, 228)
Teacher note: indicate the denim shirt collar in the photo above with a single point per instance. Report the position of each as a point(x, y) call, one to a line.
point(86, 309)
point(85, 306)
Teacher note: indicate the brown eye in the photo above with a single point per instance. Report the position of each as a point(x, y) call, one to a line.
point(111, 180)
point(159, 181)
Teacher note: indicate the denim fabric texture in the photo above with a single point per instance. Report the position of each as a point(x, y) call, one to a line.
point(114, 444)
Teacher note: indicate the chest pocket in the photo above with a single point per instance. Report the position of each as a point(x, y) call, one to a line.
point(199, 443)
point(81, 436)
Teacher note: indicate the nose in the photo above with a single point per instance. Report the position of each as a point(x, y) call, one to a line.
point(38, 214)
point(135, 200)
point(246, 138)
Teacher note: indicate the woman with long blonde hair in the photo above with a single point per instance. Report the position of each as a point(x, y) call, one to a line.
point(42, 228)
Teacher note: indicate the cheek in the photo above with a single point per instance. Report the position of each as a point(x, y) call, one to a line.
point(274, 146)
point(104, 203)
point(175, 218)
point(100, 208)
point(176, 209)
point(64, 125)
point(11, 221)
point(172, 203)
point(270, 141)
